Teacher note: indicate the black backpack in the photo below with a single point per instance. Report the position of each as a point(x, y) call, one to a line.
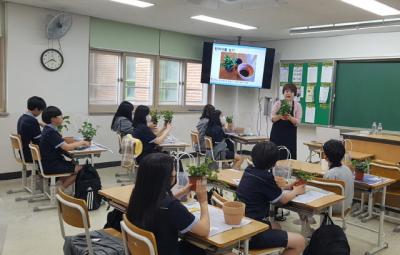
point(87, 186)
point(328, 239)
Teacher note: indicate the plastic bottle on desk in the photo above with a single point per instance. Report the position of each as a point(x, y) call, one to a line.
point(374, 128)
point(380, 128)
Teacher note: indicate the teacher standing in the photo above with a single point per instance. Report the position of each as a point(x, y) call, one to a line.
point(284, 128)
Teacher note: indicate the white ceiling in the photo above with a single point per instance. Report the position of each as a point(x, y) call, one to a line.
point(272, 17)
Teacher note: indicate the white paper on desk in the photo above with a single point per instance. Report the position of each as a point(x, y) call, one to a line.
point(312, 74)
point(217, 220)
point(284, 74)
point(310, 114)
point(323, 94)
point(311, 195)
point(327, 71)
point(297, 74)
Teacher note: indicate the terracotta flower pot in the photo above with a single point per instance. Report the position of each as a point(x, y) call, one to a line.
point(359, 175)
point(233, 212)
point(193, 180)
point(230, 126)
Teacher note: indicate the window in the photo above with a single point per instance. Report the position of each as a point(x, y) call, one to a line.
point(138, 87)
point(2, 82)
point(115, 77)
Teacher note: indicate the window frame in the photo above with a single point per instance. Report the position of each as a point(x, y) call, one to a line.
point(183, 108)
point(3, 92)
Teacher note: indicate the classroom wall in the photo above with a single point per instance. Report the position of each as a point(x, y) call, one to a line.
point(68, 87)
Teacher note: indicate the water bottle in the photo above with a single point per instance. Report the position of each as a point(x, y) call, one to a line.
point(380, 128)
point(374, 127)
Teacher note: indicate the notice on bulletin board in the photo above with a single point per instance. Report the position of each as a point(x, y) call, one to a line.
point(323, 94)
point(310, 93)
point(327, 73)
point(297, 73)
point(310, 114)
point(312, 74)
point(284, 73)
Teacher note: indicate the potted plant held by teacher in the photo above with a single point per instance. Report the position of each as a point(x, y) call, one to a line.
point(88, 131)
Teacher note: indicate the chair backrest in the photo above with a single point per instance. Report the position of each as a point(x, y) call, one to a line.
point(36, 158)
point(16, 146)
point(73, 211)
point(335, 186)
point(137, 240)
point(119, 137)
point(194, 136)
point(387, 170)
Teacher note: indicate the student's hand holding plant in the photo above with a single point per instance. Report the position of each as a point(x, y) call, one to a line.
point(299, 189)
point(201, 191)
point(84, 143)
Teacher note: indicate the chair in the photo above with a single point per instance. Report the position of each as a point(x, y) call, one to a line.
point(210, 148)
point(218, 200)
point(388, 170)
point(75, 213)
point(137, 240)
point(131, 148)
point(335, 186)
point(48, 192)
point(16, 147)
point(195, 139)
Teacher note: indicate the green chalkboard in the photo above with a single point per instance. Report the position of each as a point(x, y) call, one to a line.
point(367, 91)
point(307, 84)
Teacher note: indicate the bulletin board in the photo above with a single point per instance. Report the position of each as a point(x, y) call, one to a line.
point(314, 81)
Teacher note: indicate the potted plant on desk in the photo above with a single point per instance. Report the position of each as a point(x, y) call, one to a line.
point(88, 131)
point(360, 168)
point(229, 121)
point(302, 178)
point(201, 172)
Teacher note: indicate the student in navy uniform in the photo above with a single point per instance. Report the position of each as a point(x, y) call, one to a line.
point(203, 123)
point(53, 146)
point(143, 132)
point(153, 207)
point(28, 126)
point(258, 189)
point(122, 121)
point(216, 132)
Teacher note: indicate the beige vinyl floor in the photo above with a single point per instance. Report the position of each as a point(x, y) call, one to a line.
point(23, 231)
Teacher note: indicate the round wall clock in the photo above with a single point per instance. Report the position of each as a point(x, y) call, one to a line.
point(52, 59)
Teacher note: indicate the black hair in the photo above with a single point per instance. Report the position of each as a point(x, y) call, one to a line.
point(36, 103)
point(265, 155)
point(334, 151)
point(125, 109)
point(49, 113)
point(214, 121)
point(207, 111)
point(140, 115)
point(153, 184)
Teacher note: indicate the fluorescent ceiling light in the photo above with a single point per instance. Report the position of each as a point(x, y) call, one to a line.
point(135, 3)
point(345, 26)
point(374, 7)
point(222, 22)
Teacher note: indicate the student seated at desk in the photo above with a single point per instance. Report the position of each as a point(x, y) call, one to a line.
point(203, 123)
point(258, 189)
point(143, 132)
point(221, 150)
point(153, 207)
point(122, 121)
point(52, 147)
point(28, 126)
point(335, 151)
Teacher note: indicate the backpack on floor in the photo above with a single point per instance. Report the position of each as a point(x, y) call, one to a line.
point(87, 186)
point(328, 239)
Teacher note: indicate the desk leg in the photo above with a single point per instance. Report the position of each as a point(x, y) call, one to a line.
point(235, 147)
point(361, 210)
point(246, 247)
point(368, 215)
point(92, 159)
point(241, 148)
point(309, 155)
point(381, 244)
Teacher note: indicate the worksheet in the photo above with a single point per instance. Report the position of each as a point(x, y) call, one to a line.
point(312, 74)
point(284, 74)
point(327, 72)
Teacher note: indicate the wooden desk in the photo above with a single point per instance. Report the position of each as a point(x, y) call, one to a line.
point(94, 150)
point(119, 198)
point(313, 147)
point(240, 139)
point(177, 146)
point(298, 165)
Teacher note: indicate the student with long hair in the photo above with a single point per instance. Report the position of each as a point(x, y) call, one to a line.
point(153, 207)
point(216, 131)
point(142, 131)
point(258, 189)
point(122, 121)
point(203, 123)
